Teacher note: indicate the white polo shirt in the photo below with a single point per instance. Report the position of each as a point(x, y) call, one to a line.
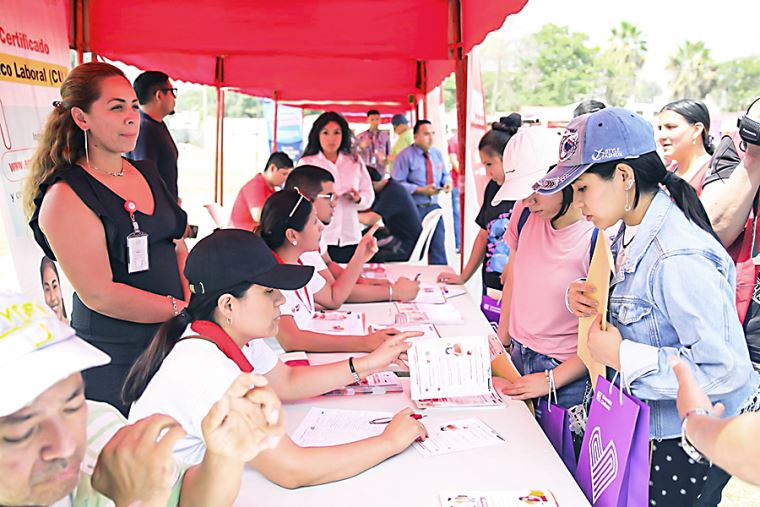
point(190, 380)
point(299, 304)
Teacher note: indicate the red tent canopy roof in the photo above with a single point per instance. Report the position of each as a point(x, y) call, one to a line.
point(313, 50)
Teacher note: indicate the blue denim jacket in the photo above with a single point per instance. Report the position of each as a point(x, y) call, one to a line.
point(675, 295)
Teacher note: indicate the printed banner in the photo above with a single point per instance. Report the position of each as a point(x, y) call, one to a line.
point(34, 61)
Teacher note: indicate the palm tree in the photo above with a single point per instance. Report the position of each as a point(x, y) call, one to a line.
point(623, 59)
point(694, 72)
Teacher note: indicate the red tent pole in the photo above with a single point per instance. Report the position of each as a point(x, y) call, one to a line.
point(221, 152)
point(78, 6)
point(216, 146)
point(276, 115)
point(461, 59)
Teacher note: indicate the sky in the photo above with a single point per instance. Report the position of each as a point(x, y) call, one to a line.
point(665, 23)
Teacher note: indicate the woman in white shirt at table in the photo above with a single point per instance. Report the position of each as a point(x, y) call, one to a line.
point(291, 228)
point(329, 147)
point(195, 356)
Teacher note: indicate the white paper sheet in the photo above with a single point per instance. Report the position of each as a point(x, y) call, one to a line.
point(431, 294)
point(456, 436)
point(491, 400)
point(337, 323)
point(523, 498)
point(427, 330)
point(449, 367)
point(418, 313)
point(326, 426)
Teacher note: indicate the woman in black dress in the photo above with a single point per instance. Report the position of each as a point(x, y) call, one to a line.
point(109, 221)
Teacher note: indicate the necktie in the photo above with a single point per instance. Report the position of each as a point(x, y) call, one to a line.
point(428, 169)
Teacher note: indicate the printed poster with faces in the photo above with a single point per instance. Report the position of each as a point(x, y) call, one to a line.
point(450, 367)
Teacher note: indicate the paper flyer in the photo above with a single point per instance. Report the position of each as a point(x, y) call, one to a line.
point(455, 436)
point(323, 427)
point(449, 367)
point(338, 323)
point(523, 498)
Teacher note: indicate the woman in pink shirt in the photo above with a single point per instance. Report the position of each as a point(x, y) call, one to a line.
point(329, 147)
point(550, 246)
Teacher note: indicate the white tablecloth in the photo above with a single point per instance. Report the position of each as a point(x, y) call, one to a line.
point(526, 461)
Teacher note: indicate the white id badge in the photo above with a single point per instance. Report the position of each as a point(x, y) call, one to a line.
point(137, 252)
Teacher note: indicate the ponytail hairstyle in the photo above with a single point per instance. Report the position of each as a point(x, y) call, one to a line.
point(694, 111)
point(649, 173)
point(62, 141)
point(495, 140)
point(283, 210)
point(201, 307)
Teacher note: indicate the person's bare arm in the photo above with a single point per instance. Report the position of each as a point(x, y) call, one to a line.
point(291, 337)
point(78, 240)
point(477, 253)
point(728, 202)
point(506, 299)
point(369, 217)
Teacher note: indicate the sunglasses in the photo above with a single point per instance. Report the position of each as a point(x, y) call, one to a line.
point(173, 90)
point(301, 197)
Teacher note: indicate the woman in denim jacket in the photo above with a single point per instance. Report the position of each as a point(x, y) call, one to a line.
point(673, 289)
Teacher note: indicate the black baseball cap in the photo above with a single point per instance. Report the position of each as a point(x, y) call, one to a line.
point(228, 257)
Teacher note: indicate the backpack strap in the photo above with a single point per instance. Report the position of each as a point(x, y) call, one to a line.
point(594, 237)
point(521, 221)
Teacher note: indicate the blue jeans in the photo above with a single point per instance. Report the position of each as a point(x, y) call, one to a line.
point(437, 254)
point(456, 216)
point(528, 361)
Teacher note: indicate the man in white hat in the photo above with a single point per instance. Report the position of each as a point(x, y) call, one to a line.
point(58, 449)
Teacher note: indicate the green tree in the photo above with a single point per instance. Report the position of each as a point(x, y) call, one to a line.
point(694, 74)
point(622, 60)
point(738, 82)
point(556, 69)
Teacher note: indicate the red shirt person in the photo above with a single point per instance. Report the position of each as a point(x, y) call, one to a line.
point(246, 211)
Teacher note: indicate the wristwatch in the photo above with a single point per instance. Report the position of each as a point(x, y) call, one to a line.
point(689, 449)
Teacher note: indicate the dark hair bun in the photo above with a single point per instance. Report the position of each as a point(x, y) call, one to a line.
point(508, 124)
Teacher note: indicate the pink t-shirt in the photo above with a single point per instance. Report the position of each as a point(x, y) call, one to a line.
point(252, 195)
point(547, 261)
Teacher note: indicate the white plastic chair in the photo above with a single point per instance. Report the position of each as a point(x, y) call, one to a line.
point(218, 214)
point(420, 251)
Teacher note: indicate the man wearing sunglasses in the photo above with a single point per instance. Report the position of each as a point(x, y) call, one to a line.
point(157, 97)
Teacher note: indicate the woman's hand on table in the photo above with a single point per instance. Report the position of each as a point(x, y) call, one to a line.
point(405, 289)
point(403, 430)
point(450, 278)
point(528, 387)
point(393, 345)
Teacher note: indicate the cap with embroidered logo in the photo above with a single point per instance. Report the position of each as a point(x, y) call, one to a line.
point(606, 135)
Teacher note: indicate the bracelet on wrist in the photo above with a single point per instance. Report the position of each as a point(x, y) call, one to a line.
point(354, 373)
point(390, 292)
point(689, 449)
point(175, 308)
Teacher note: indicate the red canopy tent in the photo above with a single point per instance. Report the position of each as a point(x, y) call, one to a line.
point(348, 54)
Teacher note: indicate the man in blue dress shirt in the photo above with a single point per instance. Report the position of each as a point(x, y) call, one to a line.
point(421, 169)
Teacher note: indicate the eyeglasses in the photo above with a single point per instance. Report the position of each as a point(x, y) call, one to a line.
point(173, 90)
point(298, 202)
point(330, 196)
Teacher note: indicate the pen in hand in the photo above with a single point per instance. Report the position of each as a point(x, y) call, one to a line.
point(417, 276)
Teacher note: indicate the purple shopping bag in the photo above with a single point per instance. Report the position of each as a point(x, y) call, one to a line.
point(613, 466)
point(491, 308)
point(555, 421)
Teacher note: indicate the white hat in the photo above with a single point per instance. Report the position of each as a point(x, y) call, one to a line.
point(527, 158)
point(36, 351)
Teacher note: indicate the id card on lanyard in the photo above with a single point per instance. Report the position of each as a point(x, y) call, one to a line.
point(137, 244)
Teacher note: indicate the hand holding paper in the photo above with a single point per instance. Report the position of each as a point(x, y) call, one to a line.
point(599, 277)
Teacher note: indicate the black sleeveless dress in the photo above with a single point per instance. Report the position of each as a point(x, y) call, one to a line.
point(123, 340)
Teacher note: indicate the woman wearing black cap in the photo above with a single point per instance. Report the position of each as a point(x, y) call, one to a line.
point(234, 280)
point(291, 227)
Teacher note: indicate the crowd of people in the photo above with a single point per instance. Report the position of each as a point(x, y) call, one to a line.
point(194, 335)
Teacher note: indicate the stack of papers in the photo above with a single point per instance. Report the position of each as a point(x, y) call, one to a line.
point(431, 294)
point(524, 498)
point(383, 382)
point(338, 323)
point(452, 372)
point(418, 313)
point(374, 270)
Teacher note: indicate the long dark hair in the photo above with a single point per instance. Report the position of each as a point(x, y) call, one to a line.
point(495, 140)
point(276, 216)
point(201, 307)
point(650, 173)
point(313, 147)
point(694, 111)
